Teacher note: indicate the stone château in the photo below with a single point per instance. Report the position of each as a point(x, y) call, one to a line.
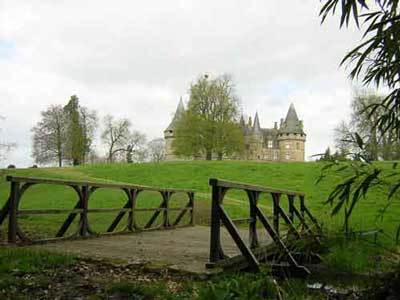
point(285, 142)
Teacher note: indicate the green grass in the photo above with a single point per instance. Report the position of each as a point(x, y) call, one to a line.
point(22, 260)
point(195, 175)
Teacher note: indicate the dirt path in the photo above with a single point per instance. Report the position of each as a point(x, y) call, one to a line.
point(185, 249)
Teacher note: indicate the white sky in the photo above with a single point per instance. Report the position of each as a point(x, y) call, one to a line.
point(134, 59)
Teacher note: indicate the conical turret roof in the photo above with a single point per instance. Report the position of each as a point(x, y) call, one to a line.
point(256, 124)
point(180, 110)
point(292, 124)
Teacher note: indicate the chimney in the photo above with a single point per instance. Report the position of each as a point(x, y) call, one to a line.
point(275, 125)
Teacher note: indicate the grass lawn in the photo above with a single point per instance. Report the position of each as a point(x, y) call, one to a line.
point(193, 175)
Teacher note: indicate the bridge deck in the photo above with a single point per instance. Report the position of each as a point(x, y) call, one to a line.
point(185, 249)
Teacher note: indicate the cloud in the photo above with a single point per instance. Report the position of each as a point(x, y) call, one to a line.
point(134, 59)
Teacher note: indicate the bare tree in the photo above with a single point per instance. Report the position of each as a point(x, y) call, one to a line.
point(135, 148)
point(115, 135)
point(342, 136)
point(49, 136)
point(156, 149)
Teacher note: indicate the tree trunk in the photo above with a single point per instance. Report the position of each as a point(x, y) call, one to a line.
point(208, 155)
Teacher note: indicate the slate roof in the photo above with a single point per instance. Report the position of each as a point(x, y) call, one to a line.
point(292, 124)
point(180, 110)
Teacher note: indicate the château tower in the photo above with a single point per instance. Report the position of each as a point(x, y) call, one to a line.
point(283, 143)
point(169, 133)
point(291, 137)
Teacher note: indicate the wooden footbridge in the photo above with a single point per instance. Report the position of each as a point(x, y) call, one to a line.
point(224, 244)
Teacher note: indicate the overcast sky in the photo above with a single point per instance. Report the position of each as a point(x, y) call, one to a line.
point(134, 59)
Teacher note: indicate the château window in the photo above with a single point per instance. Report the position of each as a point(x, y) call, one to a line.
point(297, 146)
point(270, 145)
point(275, 155)
point(287, 156)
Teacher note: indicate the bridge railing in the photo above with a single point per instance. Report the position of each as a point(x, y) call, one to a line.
point(84, 189)
point(251, 251)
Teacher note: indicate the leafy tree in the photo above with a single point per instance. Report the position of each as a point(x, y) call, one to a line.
point(64, 133)
point(49, 136)
point(210, 123)
point(156, 149)
point(374, 61)
point(75, 144)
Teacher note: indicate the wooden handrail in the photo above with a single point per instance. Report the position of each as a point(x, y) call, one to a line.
point(219, 216)
point(257, 188)
point(92, 184)
point(84, 190)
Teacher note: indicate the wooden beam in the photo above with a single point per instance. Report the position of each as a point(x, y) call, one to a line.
point(245, 186)
point(251, 259)
point(12, 212)
point(91, 184)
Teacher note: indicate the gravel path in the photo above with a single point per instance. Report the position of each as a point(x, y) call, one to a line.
point(183, 248)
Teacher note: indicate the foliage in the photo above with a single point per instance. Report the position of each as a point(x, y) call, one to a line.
point(74, 143)
point(240, 286)
point(374, 61)
point(355, 255)
point(378, 144)
point(64, 134)
point(24, 261)
point(210, 125)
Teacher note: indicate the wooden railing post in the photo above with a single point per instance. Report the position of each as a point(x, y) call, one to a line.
point(253, 237)
point(291, 207)
point(215, 240)
point(132, 204)
point(83, 230)
point(12, 212)
point(166, 197)
point(276, 198)
point(302, 209)
point(191, 205)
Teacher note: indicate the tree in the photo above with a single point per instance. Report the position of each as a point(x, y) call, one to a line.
point(342, 137)
point(374, 61)
point(379, 144)
point(88, 121)
point(115, 135)
point(75, 144)
point(135, 148)
point(210, 125)
point(64, 133)
point(49, 136)
point(156, 149)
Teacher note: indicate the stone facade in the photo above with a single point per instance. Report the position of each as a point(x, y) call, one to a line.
point(283, 143)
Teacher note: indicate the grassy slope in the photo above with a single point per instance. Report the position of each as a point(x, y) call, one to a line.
point(195, 175)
